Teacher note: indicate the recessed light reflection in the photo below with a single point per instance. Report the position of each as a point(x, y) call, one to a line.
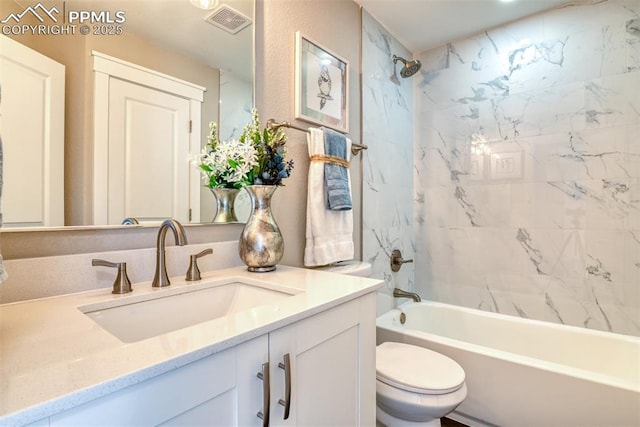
point(205, 4)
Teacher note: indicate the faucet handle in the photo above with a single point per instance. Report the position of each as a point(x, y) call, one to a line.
point(193, 273)
point(122, 284)
point(397, 261)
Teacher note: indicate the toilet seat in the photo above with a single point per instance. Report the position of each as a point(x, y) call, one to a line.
point(416, 369)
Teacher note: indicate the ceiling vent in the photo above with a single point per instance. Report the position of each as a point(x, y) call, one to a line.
point(228, 19)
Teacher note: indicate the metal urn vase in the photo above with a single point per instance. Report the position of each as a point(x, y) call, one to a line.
point(225, 199)
point(261, 245)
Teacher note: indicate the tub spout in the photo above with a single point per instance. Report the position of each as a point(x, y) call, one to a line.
point(399, 293)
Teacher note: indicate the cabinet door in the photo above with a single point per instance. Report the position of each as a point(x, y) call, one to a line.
point(331, 365)
point(220, 390)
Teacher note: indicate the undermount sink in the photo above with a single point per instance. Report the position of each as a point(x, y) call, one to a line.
point(161, 311)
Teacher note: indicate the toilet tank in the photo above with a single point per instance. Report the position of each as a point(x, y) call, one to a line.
point(350, 268)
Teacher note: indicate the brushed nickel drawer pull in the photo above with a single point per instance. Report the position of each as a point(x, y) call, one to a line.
point(266, 402)
point(287, 384)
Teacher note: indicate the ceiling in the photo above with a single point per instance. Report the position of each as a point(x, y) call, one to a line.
point(418, 24)
point(180, 26)
point(421, 25)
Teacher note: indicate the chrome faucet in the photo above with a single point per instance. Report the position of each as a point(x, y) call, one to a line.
point(399, 293)
point(161, 279)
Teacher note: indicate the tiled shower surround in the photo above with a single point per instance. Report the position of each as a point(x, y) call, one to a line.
point(387, 105)
point(527, 168)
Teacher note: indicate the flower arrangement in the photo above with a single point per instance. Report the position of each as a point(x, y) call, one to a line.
point(227, 164)
point(271, 152)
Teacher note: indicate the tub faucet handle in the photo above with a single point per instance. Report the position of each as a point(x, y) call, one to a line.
point(122, 284)
point(193, 273)
point(397, 260)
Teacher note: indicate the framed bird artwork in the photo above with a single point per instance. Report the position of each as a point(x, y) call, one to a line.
point(321, 85)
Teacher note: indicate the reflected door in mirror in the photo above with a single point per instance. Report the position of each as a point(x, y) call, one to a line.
point(148, 148)
point(143, 143)
point(32, 131)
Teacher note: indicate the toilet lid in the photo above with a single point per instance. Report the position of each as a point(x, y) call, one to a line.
point(417, 369)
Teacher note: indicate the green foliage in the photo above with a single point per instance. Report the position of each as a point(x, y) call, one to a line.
point(270, 145)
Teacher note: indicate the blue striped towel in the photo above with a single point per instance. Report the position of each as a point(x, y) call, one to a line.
point(336, 177)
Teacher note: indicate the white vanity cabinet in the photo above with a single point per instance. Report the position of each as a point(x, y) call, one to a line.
point(331, 367)
point(215, 391)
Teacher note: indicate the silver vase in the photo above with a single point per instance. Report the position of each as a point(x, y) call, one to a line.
point(225, 198)
point(261, 245)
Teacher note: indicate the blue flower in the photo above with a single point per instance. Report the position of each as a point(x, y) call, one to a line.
point(270, 145)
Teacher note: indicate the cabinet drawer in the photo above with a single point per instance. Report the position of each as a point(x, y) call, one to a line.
point(159, 399)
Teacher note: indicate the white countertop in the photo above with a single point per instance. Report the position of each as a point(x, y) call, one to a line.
point(53, 357)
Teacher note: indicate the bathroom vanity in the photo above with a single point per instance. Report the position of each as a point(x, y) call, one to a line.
point(291, 347)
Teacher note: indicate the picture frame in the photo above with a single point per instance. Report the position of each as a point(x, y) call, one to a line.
point(321, 85)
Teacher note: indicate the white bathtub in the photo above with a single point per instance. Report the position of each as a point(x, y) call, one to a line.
point(522, 372)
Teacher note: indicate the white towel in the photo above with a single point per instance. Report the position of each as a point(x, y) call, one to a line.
point(329, 233)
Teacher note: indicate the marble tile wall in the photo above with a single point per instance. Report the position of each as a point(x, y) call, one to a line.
point(527, 169)
point(387, 109)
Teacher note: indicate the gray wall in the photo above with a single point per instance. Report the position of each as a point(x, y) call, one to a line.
point(335, 25)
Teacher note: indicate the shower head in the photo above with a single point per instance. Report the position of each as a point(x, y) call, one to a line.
point(410, 67)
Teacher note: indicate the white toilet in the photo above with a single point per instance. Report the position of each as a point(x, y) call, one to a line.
point(414, 386)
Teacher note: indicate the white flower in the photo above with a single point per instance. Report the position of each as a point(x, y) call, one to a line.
point(226, 163)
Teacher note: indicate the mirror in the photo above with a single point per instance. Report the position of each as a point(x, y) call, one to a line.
point(169, 37)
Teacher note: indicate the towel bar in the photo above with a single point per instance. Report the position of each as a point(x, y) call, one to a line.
point(271, 123)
